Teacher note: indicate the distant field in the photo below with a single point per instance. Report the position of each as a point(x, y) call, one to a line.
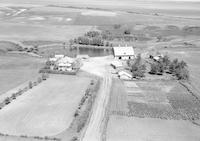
point(148, 129)
point(21, 32)
point(183, 8)
point(17, 69)
point(45, 110)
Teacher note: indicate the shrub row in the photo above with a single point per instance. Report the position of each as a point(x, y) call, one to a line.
point(58, 72)
point(35, 137)
point(31, 84)
point(85, 105)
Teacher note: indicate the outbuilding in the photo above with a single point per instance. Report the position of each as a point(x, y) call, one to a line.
point(124, 53)
point(125, 75)
point(116, 64)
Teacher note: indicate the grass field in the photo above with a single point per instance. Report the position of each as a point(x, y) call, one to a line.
point(17, 69)
point(61, 21)
point(21, 32)
point(148, 129)
point(45, 110)
point(191, 56)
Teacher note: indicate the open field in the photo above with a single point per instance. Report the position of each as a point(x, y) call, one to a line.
point(153, 6)
point(20, 32)
point(17, 69)
point(45, 110)
point(145, 129)
point(191, 56)
point(44, 20)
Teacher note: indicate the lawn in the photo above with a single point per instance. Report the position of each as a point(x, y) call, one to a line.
point(45, 110)
point(17, 69)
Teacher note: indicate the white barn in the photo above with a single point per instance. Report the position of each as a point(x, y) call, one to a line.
point(124, 53)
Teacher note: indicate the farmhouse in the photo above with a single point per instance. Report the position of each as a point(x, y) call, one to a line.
point(124, 53)
point(61, 63)
point(65, 63)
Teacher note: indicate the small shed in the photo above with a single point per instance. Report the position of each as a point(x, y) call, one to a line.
point(83, 56)
point(125, 75)
point(58, 56)
point(124, 53)
point(116, 64)
point(53, 59)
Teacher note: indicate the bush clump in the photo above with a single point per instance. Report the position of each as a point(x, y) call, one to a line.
point(30, 85)
point(138, 68)
point(175, 67)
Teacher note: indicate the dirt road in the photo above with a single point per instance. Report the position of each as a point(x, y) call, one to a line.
point(100, 67)
point(94, 129)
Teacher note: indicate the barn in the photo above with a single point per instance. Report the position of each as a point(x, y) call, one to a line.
point(124, 53)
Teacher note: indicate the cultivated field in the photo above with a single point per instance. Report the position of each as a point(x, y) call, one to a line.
point(152, 110)
point(45, 110)
point(154, 99)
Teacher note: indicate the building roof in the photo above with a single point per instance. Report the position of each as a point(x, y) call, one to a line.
point(123, 51)
point(123, 72)
point(53, 59)
point(66, 60)
point(59, 56)
point(117, 64)
point(64, 65)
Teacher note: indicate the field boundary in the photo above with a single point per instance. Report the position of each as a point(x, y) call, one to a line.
point(47, 138)
point(58, 72)
point(14, 95)
point(190, 89)
point(84, 110)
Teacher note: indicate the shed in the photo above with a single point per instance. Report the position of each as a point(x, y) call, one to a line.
point(58, 56)
point(124, 53)
point(53, 59)
point(83, 56)
point(124, 75)
point(116, 64)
